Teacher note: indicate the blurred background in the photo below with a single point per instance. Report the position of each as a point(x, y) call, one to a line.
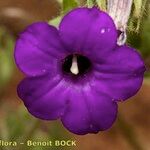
point(131, 131)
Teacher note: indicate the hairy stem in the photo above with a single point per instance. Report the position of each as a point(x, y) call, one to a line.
point(120, 11)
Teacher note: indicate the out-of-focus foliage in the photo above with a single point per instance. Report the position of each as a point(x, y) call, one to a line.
point(55, 22)
point(102, 4)
point(90, 3)
point(20, 126)
point(145, 36)
point(69, 4)
point(6, 56)
point(141, 39)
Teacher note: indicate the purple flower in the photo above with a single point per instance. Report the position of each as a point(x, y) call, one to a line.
point(77, 73)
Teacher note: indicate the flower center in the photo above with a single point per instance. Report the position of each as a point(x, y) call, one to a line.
point(76, 64)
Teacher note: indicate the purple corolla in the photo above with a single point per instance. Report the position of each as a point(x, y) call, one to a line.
point(77, 73)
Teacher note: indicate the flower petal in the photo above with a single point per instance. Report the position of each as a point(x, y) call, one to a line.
point(89, 112)
point(89, 31)
point(121, 75)
point(40, 96)
point(38, 49)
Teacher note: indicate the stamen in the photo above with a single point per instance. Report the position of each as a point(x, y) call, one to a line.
point(74, 67)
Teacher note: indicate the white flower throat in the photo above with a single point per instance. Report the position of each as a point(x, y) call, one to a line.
point(74, 67)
